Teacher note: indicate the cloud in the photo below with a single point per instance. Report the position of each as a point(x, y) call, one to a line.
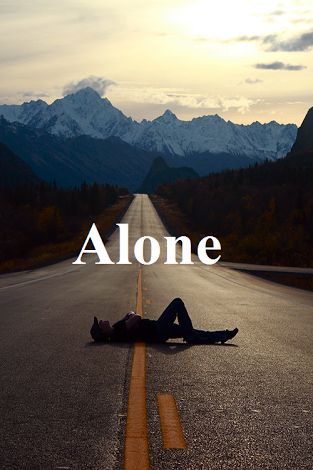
point(277, 13)
point(246, 39)
point(34, 94)
point(298, 43)
point(253, 81)
point(99, 84)
point(273, 43)
point(240, 103)
point(191, 101)
point(279, 66)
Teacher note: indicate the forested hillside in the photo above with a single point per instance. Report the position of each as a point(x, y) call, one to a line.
point(262, 214)
point(13, 170)
point(42, 222)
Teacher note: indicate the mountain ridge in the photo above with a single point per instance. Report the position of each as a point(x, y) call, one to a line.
point(161, 173)
point(86, 113)
point(72, 161)
point(304, 139)
point(13, 170)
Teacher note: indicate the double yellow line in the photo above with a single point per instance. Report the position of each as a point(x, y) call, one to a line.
point(136, 440)
point(136, 456)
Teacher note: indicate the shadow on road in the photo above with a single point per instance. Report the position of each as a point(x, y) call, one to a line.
point(176, 347)
point(93, 344)
point(165, 348)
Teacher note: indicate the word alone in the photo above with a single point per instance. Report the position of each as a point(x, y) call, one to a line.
point(150, 242)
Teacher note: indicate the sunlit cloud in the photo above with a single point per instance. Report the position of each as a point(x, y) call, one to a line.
point(276, 13)
point(191, 101)
point(246, 38)
point(253, 81)
point(34, 94)
point(193, 56)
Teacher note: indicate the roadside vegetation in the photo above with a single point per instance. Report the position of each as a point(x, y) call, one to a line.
point(261, 215)
point(41, 223)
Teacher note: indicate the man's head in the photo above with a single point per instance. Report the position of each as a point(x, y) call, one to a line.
point(100, 331)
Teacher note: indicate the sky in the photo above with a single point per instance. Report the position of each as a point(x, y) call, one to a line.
point(246, 60)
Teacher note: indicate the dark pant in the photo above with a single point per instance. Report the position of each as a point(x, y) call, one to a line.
point(184, 329)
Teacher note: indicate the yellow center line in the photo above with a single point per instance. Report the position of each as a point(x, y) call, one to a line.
point(136, 455)
point(172, 432)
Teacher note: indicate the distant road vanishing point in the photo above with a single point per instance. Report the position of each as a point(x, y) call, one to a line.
point(64, 400)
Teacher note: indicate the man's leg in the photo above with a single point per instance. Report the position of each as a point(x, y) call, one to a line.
point(211, 337)
point(176, 309)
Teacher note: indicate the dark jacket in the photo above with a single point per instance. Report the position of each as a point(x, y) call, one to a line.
point(146, 330)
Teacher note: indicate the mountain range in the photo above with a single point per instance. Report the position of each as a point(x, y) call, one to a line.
point(86, 113)
point(72, 161)
point(262, 214)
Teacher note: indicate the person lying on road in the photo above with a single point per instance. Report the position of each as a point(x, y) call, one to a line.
point(134, 328)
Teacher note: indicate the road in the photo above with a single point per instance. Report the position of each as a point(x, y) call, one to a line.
point(267, 268)
point(64, 399)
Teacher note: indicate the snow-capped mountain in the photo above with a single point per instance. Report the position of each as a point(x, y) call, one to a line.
point(81, 113)
point(86, 113)
point(167, 134)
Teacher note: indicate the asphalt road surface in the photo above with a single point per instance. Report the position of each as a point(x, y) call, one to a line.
point(64, 399)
